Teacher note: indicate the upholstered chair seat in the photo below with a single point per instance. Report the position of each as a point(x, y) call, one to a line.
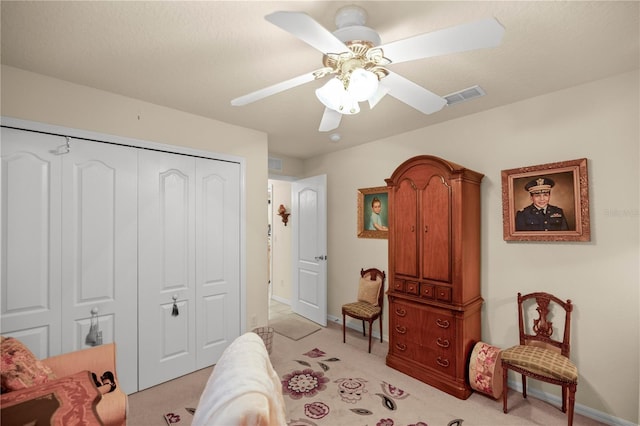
point(361, 309)
point(543, 362)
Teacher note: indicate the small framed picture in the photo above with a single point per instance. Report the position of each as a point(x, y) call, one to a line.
point(373, 208)
point(548, 202)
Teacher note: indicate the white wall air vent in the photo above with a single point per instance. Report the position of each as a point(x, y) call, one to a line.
point(464, 95)
point(275, 164)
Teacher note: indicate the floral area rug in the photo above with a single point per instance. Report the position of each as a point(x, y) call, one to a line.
point(182, 416)
point(321, 389)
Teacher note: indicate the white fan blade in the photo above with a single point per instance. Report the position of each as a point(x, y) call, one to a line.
point(330, 120)
point(412, 94)
point(474, 35)
point(272, 90)
point(308, 30)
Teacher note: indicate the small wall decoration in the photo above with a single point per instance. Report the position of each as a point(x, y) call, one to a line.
point(284, 214)
point(373, 221)
point(548, 202)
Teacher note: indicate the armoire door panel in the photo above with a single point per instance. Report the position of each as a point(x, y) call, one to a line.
point(405, 209)
point(436, 230)
point(99, 248)
point(166, 266)
point(31, 238)
point(218, 258)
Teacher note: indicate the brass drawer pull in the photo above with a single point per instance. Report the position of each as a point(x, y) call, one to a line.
point(443, 343)
point(443, 324)
point(401, 347)
point(442, 362)
point(401, 312)
point(401, 329)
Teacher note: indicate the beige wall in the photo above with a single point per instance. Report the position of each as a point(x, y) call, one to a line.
point(281, 243)
point(599, 121)
point(38, 98)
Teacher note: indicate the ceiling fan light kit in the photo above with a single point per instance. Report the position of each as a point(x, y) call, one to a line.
point(357, 62)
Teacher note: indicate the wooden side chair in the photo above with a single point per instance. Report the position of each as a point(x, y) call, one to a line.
point(370, 301)
point(538, 355)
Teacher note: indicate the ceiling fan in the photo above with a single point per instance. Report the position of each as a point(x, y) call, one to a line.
point(358, 63)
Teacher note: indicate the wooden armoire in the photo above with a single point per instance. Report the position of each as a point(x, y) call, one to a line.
point(434, 271)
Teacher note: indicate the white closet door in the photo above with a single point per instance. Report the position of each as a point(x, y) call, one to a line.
point(217, 258)
point(99, 271)
point(31, 292)
point(166, 208)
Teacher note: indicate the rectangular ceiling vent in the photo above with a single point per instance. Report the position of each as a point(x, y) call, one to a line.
point(275, 164)
point(464, 95)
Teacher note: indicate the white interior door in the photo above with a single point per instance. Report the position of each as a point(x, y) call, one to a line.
point(99, 248)
point(31, 283)
point(309, 221)
point(217, 258)
point(166, 301)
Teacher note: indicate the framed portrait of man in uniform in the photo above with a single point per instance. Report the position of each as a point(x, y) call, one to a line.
point(547, 202)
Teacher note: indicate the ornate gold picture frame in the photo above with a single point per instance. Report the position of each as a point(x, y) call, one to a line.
point(373, 212)
point(565, 216)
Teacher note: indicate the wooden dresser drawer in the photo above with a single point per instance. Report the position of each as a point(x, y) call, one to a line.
point(443, 362)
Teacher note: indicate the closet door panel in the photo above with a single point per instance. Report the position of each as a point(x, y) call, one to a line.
point(218, 258)
point(166, 302)
point(31, 285)
point(99, 273)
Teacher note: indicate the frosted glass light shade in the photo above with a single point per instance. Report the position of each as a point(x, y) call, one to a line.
point(333, 96)
point(348, 105)
point(331, 93)
point(363, 84)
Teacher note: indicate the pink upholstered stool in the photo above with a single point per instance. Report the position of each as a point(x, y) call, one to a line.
point(485, 370)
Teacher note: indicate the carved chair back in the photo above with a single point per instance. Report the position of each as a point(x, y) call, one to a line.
point(537, 313)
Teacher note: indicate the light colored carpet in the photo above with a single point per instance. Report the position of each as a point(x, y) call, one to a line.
point(424, 403)
point(294, 326)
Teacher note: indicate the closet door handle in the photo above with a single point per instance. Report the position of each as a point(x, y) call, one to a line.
point(426, 228)
point(413, 228)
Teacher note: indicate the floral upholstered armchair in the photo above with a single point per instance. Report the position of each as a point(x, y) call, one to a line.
point(79, 386)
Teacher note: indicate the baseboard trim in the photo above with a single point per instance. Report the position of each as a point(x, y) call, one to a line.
point(516, 386)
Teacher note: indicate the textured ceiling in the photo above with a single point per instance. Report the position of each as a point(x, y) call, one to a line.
point(197, 56)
